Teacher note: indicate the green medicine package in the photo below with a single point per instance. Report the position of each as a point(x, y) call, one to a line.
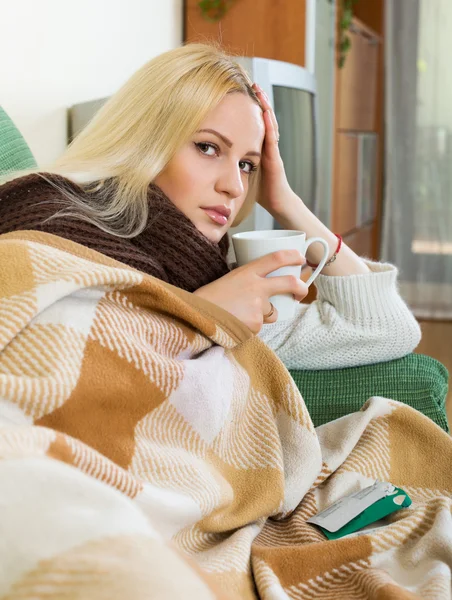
point(360, 509)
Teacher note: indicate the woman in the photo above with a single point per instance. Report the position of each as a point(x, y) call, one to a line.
point(137, 417)
point(172, 161)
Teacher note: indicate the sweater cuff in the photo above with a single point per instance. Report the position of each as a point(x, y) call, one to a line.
point(358, 296)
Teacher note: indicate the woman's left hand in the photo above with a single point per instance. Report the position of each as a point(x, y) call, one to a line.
point(275, 193)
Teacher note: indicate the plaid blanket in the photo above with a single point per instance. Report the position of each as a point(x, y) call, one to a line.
point(152, 447)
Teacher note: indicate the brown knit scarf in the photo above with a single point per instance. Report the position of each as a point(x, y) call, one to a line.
point(170, 248)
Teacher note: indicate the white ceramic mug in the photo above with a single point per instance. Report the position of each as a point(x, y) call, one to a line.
point(250, 245)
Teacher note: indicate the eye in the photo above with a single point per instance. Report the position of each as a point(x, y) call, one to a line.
point(210, 149)
point(204, 148)
point(247, 166)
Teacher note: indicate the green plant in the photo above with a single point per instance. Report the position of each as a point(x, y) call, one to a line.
point(344, 41)
point(214, 10)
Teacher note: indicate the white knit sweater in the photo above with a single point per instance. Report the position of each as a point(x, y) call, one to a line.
point(356, 320)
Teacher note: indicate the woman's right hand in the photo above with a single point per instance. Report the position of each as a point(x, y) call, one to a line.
point(245, 291)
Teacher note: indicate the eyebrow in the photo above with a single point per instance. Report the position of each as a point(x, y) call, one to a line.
point(227, 141)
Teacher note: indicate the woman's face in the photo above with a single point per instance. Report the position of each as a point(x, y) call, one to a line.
point(208, 178)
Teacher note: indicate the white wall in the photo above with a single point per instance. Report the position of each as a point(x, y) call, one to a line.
point(55, 53)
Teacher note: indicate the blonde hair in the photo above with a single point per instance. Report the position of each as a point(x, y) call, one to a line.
point(140, 128)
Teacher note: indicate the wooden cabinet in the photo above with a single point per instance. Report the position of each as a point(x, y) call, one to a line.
point(362, 241)
point(344, 207)
point(358, 82)
point(358, 145)
point(356, 165)
point(265, 28)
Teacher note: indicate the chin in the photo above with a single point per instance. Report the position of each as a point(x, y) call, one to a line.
point(212, 233)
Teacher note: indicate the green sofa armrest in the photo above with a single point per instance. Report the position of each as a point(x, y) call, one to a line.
point(416, 380)
point(15, 154)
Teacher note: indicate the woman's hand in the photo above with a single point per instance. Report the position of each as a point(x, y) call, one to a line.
point(288, 209)
point(245, 291)
point(275, 194)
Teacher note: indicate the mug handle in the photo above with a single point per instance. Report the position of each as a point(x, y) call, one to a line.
point(324, 259)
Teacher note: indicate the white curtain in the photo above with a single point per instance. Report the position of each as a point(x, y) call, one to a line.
point(417, 219)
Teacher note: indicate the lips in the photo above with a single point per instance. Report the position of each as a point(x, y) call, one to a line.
point(218, 214)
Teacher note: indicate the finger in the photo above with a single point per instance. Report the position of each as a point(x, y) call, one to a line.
point(271, 134)
point(264, 100)
point(273, 118)
point(274, 316)
point(287, 284)
point(275, 124)
point(269, 107)
point(270, 262)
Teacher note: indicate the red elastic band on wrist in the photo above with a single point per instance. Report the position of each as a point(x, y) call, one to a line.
point(333, 258)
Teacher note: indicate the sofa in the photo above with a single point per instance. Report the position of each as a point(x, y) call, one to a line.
point(417, 380)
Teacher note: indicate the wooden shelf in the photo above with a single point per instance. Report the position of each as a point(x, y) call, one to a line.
point(358, 81)
point(362, 241)
point(358, 113)
point(344, 207)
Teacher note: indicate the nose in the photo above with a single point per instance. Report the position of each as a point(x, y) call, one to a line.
point(230, 181)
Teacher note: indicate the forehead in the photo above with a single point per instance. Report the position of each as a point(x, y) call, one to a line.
point(240, 119)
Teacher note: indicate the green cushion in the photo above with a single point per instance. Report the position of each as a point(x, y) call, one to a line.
point(15, 154)
point(416, 380)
